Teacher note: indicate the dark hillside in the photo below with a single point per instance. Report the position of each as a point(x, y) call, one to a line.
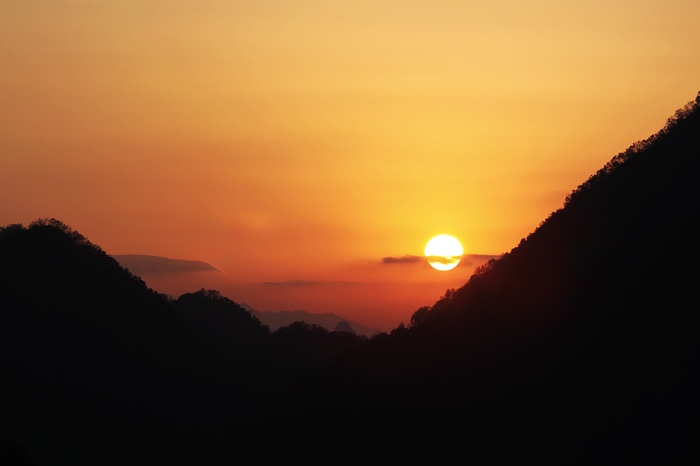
point(92, 357)
point(582, 343)
point(93, 361)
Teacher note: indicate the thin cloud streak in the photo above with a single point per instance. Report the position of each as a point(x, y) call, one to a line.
point(408, 259)
point(292, 283)
point(310, 283)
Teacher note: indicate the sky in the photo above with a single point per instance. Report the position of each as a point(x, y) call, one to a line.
point(308, 150)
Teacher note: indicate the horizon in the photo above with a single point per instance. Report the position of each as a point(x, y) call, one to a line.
point(309, 151)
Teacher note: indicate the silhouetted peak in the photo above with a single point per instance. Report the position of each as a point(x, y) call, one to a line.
point(49, 240)
point(681, 126)
point(344, 326)
point(218, 319)
point(49, 268)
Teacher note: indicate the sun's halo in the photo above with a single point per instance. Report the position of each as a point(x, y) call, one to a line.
point(443, 252)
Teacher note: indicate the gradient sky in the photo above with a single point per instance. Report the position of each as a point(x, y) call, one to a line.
point(295, 144)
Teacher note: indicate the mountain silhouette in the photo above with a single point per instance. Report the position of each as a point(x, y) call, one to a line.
point(94, 361)
point(91, 354)
point(579, 346)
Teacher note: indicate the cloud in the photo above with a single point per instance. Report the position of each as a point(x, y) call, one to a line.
point(293, 283)
point(309, 283)
point(140, 264)
point(407, 259)
point(467, 259)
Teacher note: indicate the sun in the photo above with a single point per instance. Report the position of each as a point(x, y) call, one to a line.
point(443, 252)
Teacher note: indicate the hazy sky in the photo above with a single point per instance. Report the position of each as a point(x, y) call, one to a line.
point(294, 144)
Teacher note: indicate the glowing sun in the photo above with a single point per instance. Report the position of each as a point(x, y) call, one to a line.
point(443, 252)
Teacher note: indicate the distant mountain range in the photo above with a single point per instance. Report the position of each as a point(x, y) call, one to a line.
point(329, 321)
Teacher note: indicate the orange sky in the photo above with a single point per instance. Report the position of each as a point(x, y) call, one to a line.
point(303, 141)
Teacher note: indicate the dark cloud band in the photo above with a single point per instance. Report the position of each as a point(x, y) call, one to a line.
point(467, 259)
point(407, 259)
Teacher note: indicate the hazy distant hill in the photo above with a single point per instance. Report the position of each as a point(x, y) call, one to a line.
point(145, 264)
point(327, 320)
